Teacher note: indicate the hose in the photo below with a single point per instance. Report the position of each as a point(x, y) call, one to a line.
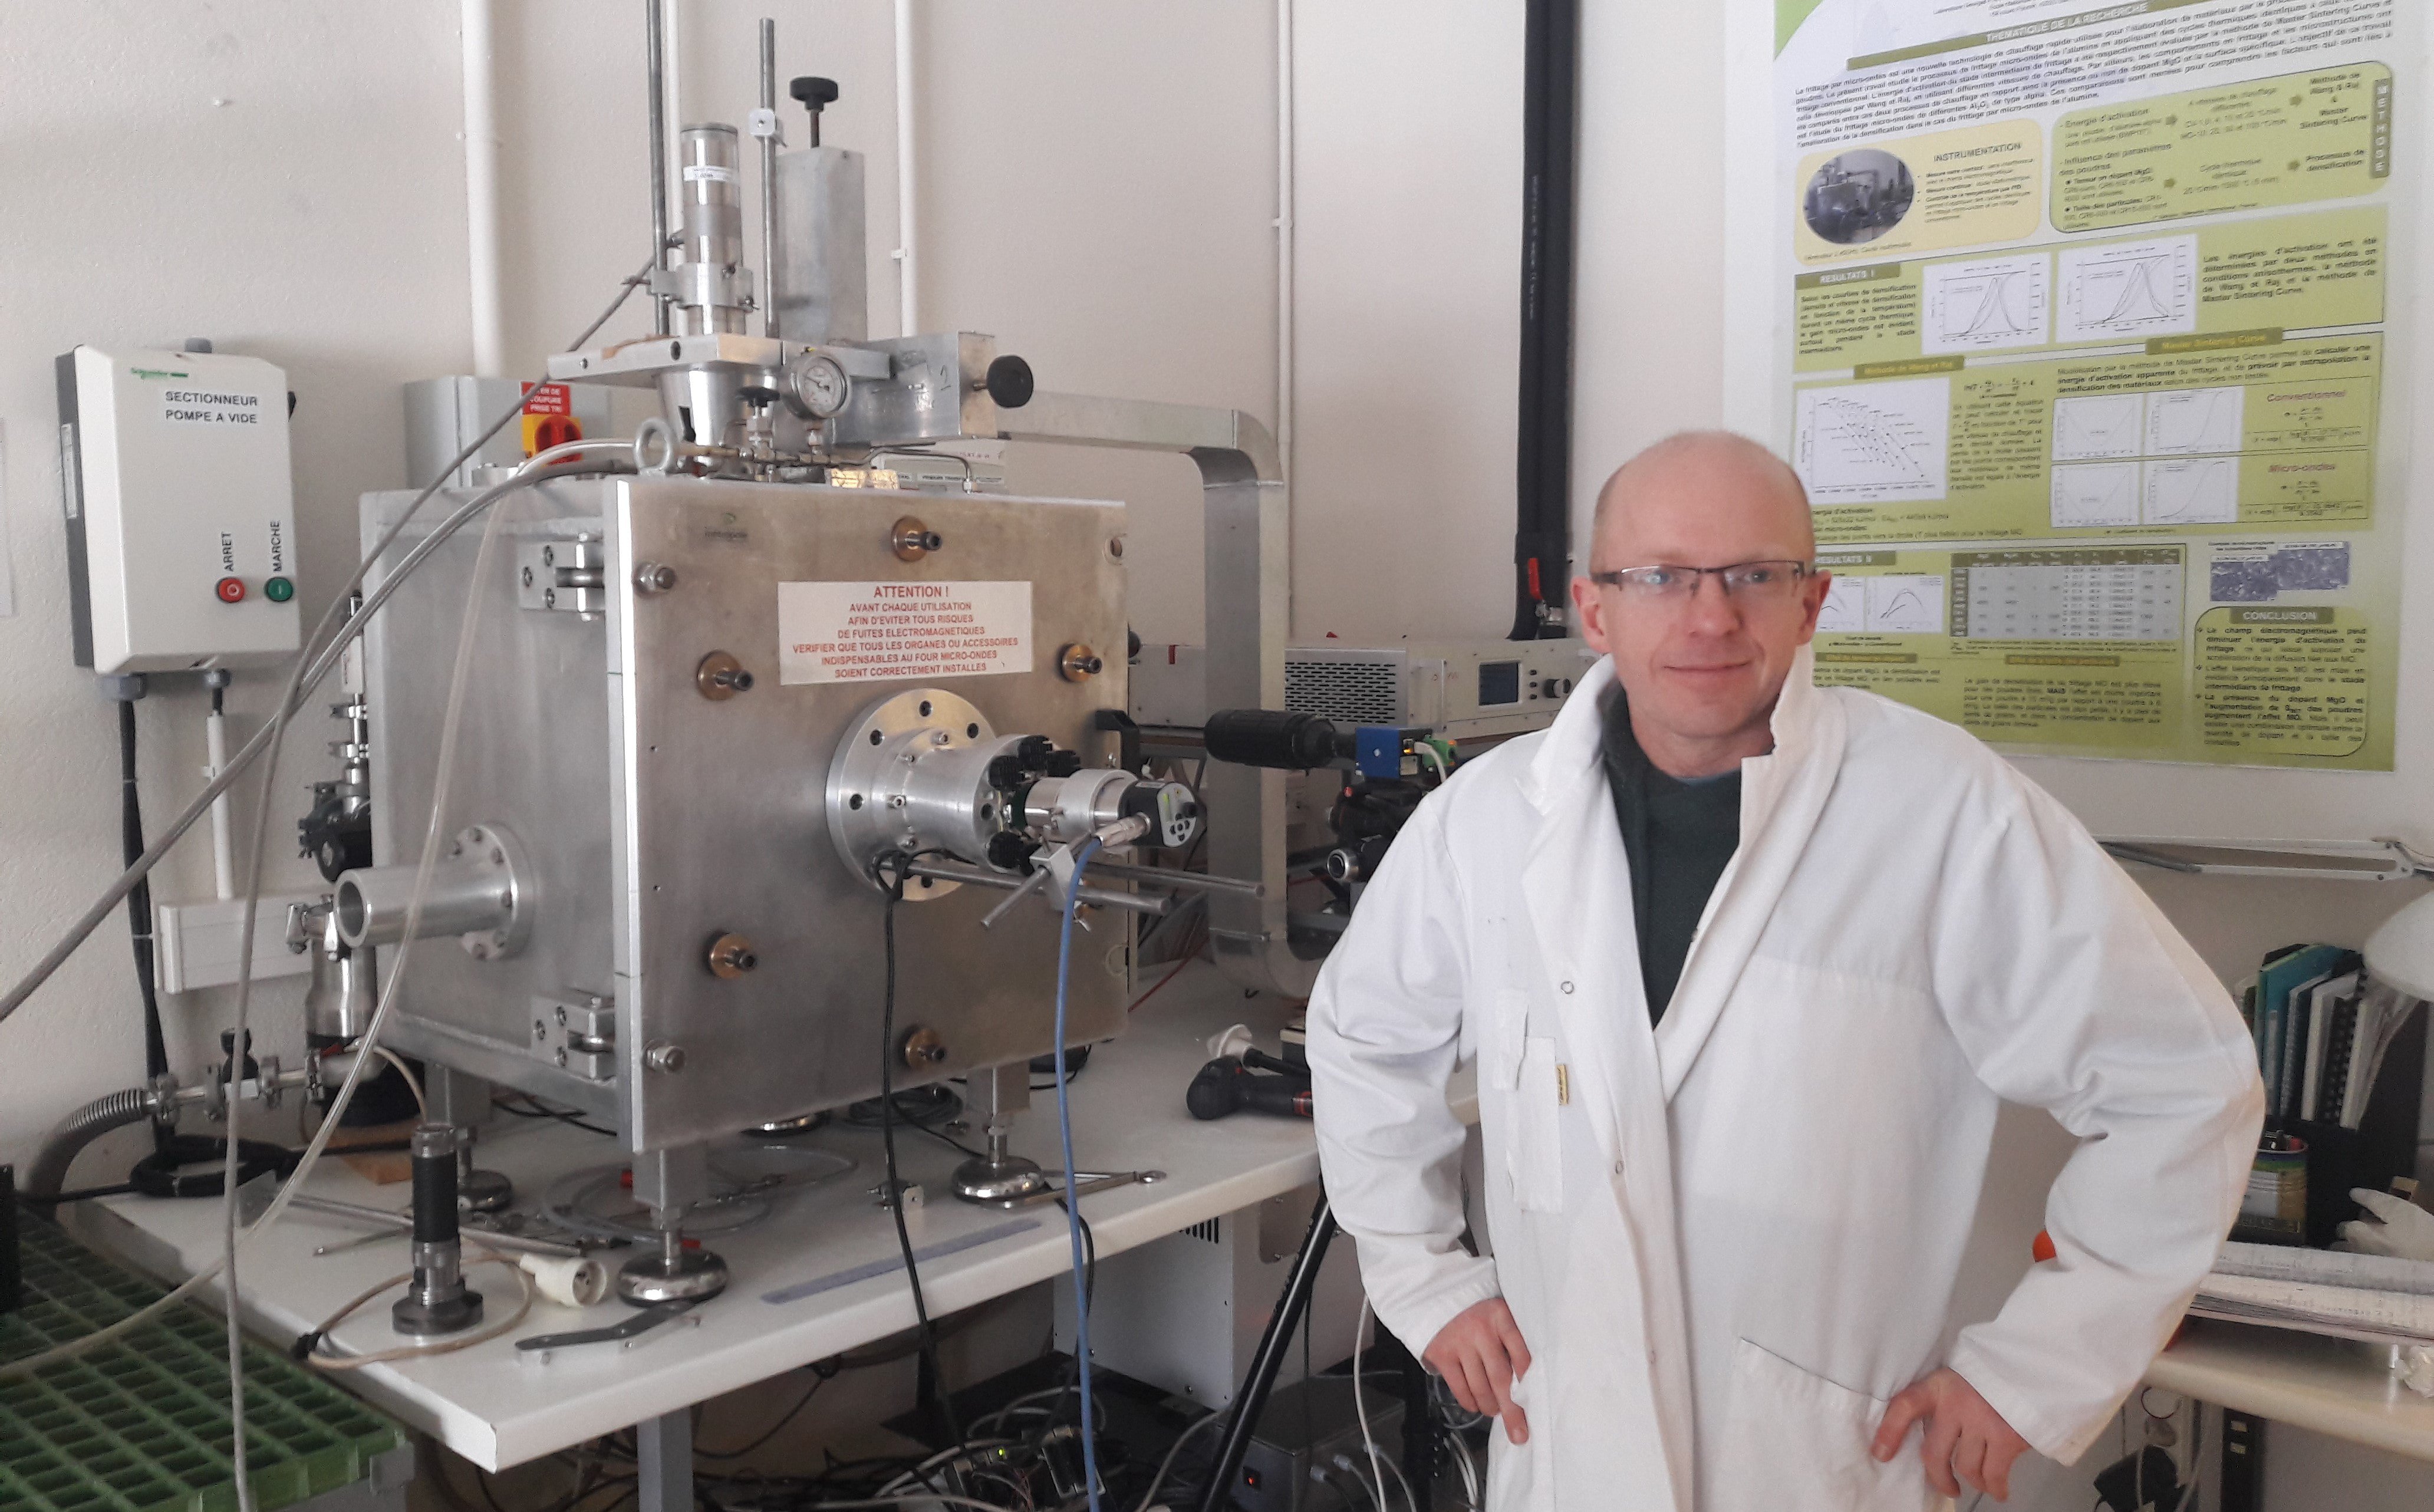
point(1071, 1203)
point(48, 1174)
point(139, 898)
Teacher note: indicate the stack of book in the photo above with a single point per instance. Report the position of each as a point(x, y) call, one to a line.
point(2373, 1297)
point(2322, 1030)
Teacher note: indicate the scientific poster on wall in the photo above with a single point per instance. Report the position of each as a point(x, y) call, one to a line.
point(2086, 358)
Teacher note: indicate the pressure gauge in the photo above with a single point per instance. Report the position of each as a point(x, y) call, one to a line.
point(820, 387)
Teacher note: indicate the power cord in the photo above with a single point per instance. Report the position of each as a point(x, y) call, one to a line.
point(1065, 1133)
point(307, 673)
point(893, 882)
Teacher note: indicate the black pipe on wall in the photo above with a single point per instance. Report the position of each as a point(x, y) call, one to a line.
point(1542, 463)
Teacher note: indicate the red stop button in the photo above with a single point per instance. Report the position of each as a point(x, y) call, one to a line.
point(231, 590)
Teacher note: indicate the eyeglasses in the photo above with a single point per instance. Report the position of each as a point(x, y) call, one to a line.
point(1753, 582)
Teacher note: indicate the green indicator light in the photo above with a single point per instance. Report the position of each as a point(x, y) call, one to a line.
point(278, 590)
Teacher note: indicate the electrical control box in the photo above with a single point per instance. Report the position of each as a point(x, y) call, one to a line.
point(443, 416)
point(180, 511)
point(1462, 690)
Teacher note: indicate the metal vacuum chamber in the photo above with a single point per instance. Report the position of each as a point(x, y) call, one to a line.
point(658, 925)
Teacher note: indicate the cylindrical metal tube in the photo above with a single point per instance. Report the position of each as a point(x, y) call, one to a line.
point(654, 26)
point(819, 282)
point(769, 174)
point(339, 1004)
point(708, 402)
point(465, 896)
point(1065, 810)
point(710, 298)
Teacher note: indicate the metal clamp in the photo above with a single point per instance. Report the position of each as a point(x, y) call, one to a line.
point(1086, 1182)
point(622, 1335)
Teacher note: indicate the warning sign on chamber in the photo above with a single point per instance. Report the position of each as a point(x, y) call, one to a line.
point(1862, 444)
point(876, 631)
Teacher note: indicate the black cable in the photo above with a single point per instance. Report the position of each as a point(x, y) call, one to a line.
point(86, 1194)
point(792, 1413)
point(138, 903)
point(541, 1109)
point(950, 1141)
point(929, 1369)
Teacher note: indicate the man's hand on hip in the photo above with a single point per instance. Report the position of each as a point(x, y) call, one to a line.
point(1963, 1435)
point(1480, 1355)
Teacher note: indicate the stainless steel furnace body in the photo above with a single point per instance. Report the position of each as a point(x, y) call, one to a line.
point(688, 952)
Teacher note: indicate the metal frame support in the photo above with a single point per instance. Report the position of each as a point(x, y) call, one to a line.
point(663, 1452)
point(1246, 521)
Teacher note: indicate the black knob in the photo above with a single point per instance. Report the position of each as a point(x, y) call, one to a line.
point(1009, 382)
point(815, 94)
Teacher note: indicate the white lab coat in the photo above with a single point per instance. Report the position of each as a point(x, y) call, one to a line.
point(1730, 1240)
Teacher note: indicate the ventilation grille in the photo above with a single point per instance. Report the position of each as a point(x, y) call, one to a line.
point(1205, 1229)
point(1349, 693)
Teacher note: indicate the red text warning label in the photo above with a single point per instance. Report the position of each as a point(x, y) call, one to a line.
point(873, 632)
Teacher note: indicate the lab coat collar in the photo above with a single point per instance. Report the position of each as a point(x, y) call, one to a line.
point(1571, 755)
point(1578, 879)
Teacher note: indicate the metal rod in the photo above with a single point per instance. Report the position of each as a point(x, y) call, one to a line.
point(664, 1462)
point(769, 178)
point(399, 1223)
point(1189, 880)
point(1131, 902)
point(908, 181)
point(654, 25)
point(1252, 1400)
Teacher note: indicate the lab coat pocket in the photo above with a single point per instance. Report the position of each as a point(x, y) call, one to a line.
point(1534, 1149)
point(1797, 1442)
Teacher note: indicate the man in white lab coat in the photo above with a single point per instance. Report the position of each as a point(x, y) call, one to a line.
point(1745, 967)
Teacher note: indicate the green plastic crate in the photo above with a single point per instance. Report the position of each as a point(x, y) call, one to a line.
point(143, 1425)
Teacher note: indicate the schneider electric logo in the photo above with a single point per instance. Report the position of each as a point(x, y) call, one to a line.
point(157, 372)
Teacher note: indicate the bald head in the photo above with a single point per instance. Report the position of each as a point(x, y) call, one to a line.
point(1725, 491)
point(1703, 666)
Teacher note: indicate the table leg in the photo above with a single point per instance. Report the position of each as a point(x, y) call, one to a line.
point(665, 1445)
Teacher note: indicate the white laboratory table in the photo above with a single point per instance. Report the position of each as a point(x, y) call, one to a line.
point(2329, 1385)
point(498, 1408)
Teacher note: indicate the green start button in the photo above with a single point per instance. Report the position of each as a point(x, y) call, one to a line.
point(278, 590)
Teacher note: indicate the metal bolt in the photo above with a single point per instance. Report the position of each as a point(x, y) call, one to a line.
point(548, 597)
point(527, 578)
point(731, 956)
point(541, 1029)
point(664, 1056)
point(549, 556)
point(654, 578)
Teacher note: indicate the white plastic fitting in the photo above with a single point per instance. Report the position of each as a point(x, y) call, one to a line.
point(576, 1282)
